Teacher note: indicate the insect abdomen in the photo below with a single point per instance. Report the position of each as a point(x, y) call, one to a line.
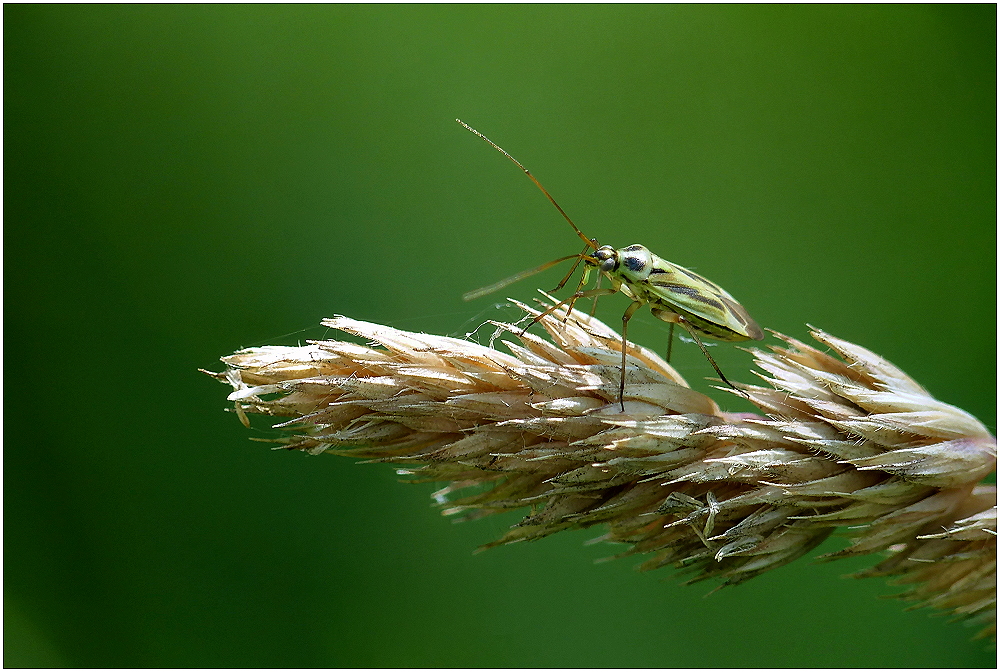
point(666, 312)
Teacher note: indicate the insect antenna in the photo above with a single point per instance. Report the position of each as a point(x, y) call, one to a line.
point(590, 243)
point(489, 289)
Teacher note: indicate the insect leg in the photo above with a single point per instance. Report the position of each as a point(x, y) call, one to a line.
point(684, 323)
point(625, 318)
point(578, 295)
point(579, 288)
point(670, 341)
point(562, 283)
point(593, 308)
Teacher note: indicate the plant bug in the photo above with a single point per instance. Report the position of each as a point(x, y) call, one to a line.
point(673, 293)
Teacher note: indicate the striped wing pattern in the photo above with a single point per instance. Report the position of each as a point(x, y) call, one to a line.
point(670, 285)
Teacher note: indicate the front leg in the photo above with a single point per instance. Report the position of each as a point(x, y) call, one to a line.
point(570, 300)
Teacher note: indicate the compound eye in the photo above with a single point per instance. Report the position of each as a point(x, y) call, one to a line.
point(608, 265)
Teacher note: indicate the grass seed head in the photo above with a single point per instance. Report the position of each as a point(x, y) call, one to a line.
point(844, 440)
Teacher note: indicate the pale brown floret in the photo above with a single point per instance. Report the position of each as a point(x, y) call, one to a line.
point(846, 441)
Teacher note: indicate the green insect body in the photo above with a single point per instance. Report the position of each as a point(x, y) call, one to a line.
point(673, 293)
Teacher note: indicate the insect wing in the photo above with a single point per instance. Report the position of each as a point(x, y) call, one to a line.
point(701, 297)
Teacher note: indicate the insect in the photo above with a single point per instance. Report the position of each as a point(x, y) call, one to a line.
point(673, 293)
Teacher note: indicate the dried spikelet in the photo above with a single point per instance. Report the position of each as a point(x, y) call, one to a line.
point(847, 441)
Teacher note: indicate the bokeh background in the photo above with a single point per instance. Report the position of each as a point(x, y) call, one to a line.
point(184, 181)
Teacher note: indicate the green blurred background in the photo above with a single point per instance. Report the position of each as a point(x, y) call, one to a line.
point(184, 181)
